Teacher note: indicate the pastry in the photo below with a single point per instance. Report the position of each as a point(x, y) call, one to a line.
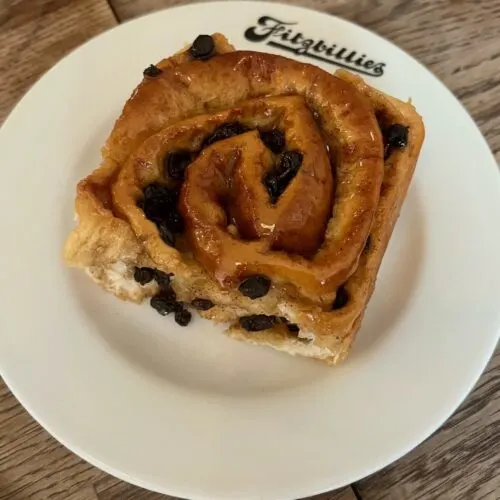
point(259, 191)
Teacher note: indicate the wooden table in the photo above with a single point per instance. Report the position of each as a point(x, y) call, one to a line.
point(460, 42)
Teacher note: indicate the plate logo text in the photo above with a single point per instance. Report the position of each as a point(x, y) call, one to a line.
point(280, 34)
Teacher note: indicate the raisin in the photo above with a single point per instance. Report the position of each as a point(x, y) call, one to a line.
point(152, 71)
point(284, 178)
point(163, 279)
point(290, 161)
point(203, 47)
point(202, 304)
point(175, 222)
point(272, 186)
point(395, 137)
point(168, 294)
point(274, 140)
point(225, 132)
point(257, 322)
point(182, 317)
point(277, 180)
point(255, 286)
point(292, 327)
point(166, 234)
point(159, 205)
point(175, 164)
point(341, 298)
point(153, 211)
point(158, 201)
point(157, 191)
point(163, 304)
point(144, 275)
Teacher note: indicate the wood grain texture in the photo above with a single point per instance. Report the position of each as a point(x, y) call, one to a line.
point(124, 491)
point(460, 42)
point(35, 34)
point(460, 461)
point(33, 464)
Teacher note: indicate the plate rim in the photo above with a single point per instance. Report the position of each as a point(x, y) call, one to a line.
point(464, 392)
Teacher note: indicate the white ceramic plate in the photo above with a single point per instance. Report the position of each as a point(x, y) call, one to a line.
point(188, 411)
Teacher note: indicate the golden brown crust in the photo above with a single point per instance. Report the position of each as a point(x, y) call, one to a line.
point(399, 170)
point(349, 129)
point(101, 238)
point(177, 111)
